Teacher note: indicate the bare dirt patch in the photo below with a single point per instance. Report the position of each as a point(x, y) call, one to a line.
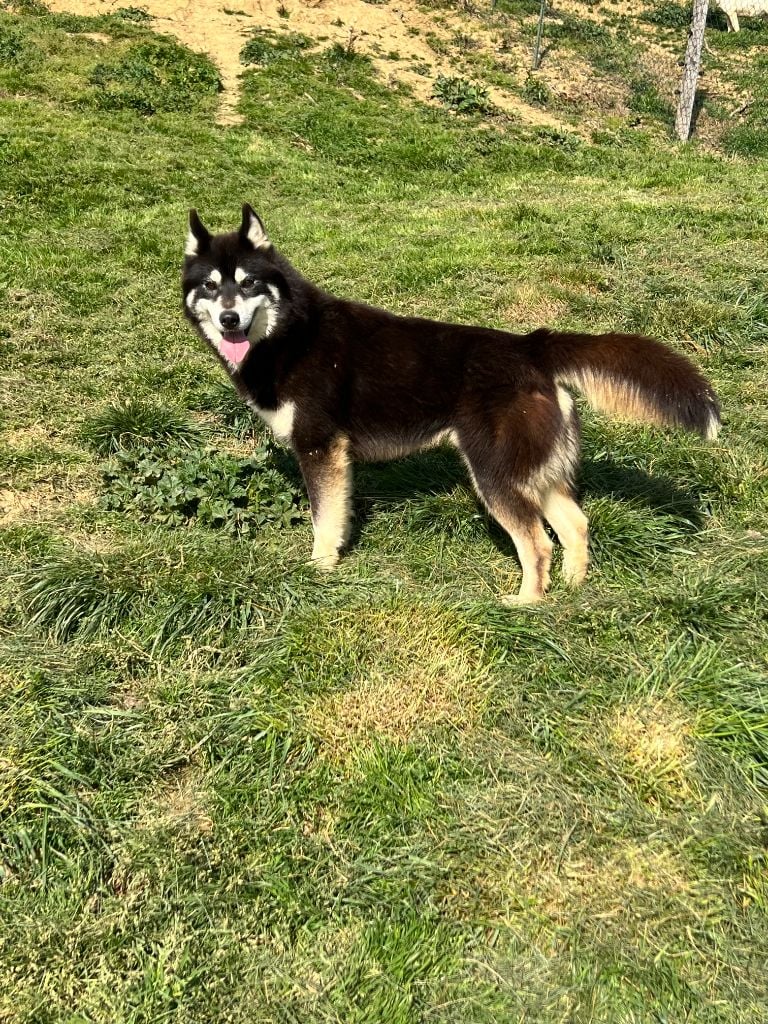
point(38, 503)
point(96, 37)
point(380, 31)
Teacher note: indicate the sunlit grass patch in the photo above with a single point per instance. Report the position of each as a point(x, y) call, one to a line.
point(650, 744)
point(155, 76)
point(386, 637)
point(234, 786)
point(421, 692)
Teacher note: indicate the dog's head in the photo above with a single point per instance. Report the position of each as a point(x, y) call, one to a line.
point(232, 286)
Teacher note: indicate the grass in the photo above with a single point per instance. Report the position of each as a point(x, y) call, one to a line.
point(236, 789)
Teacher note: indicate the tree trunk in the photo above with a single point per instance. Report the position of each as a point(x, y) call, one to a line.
point(691, 70)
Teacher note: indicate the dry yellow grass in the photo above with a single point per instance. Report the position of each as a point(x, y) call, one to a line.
point(429, 680)
point(652, 741)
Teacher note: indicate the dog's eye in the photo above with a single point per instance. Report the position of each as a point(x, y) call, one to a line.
point(210, 285)
point(247, 282)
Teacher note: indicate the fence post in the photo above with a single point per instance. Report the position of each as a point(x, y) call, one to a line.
point(537, 47)
point(691, 70)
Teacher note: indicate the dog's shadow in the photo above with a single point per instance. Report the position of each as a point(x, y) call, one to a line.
point(440, 471)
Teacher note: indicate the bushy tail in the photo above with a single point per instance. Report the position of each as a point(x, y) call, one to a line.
point(632, 377)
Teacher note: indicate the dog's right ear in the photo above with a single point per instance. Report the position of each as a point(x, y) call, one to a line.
point(252, 230)
point(199, 237)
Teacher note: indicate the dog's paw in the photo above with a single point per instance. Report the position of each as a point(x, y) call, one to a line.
point(574, 570)
point(521, 600)
point(325, 560)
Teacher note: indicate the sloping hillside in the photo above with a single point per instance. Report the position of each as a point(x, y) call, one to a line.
point(604, 64)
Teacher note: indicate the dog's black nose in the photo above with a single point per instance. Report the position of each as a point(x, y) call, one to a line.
point(229, 320)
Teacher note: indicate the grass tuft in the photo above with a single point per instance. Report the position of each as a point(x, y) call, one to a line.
point(462, 95)
point(78, 593)
point(135, 423)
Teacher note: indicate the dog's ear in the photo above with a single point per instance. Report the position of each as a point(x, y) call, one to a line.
point(199, 237)
point(252, 230)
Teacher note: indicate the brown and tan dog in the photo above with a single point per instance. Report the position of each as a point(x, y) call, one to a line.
point(341, 382)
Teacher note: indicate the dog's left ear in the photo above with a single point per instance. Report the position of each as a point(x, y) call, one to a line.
point(252, 230)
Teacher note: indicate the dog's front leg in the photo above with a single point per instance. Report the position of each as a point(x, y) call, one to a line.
point(327, 471)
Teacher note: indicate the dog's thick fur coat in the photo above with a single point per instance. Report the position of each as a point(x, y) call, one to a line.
point(341, 382)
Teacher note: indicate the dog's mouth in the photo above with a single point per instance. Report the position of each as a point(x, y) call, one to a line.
point(234, 346)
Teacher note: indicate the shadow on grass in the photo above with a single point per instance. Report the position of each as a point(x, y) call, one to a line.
point(701, 97)
point(608, 478)
point(440, 472)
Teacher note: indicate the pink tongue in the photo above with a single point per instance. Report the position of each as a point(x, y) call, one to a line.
point(234, 348)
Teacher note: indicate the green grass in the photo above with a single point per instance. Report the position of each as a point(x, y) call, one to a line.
point(234, 789)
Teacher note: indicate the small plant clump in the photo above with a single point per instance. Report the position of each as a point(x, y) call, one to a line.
point(266, 47)
point(137, 14)
point(557, 138)
point(536, 91)
point(176, 486)
point(15, 49)
point(33, 8)
point(153, 77)
point(669, 15)
point(462, 95)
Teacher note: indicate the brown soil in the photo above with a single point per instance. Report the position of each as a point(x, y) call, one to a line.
point(377, 30)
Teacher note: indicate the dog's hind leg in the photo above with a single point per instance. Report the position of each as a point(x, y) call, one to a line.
point(521, 450)
point(521, 518)
point(570, 524)
point(534, 549)
point(327, 472)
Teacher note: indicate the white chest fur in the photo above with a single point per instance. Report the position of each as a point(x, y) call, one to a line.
point(279, 420)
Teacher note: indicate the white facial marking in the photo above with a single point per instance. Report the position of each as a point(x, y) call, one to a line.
point(245, 309)
point(258, 314)
point(211, 332)
point(265, 317)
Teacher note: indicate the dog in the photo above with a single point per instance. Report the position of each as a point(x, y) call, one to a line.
point(341, 382)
